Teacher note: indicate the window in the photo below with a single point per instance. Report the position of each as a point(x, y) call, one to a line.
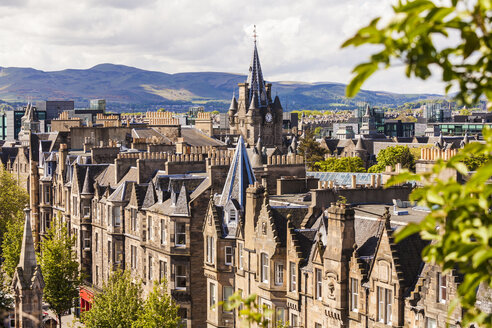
point(87, 239)
point(293, 277)
point(163, 232)
point(212, 301)
point(97, 275)
point(227, 292)
point(149, 227)
point(118, 252)
point(180, 234)
point(47, 199)
point(441, 288)
point(354, 294)
point(133, 253)
point(150, 268)
point(97, 241)
point(264, 267)
point(117, 216)
point(133, 219)
point(280, 315)
point(86, 211)
point(210, 249)
point(319, 284)
point(180, 277)
point(232, 215)
point(279, 274)
point(385, 302)
point(183, 314)
point(162, 271)
point(109, 251)
point(228, 255)
point(431, 323)
point(240, 251)
point(294, 320)
point(74, 198)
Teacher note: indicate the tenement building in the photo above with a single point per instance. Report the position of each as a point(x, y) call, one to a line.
point(173, 204)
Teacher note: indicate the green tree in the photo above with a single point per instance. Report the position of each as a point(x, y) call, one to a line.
point(13, 200)
point(11, 246)
point(311, 149)
point(391, 156)
point(343, 164)
point(215, 112)
point(473, 162)
point(462, 211)
point(159, 310)
point(120, 305)
point(60, 269)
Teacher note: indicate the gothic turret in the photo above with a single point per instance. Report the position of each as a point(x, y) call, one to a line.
point(256, 82)
point(28, 283)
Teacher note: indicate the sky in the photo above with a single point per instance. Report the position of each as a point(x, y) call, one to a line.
point(297, 40)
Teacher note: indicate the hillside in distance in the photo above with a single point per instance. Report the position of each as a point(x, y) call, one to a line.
point(130, 87)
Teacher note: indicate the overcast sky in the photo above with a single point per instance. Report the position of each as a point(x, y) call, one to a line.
point(298, 40)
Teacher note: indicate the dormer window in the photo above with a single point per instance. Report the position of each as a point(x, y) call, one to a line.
point(232, 215)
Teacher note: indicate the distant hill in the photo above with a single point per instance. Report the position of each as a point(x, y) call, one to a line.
point(130, 87)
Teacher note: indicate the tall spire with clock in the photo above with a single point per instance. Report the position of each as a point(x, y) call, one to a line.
point(256, 113)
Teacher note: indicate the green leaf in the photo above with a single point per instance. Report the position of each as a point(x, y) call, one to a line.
point(363, 72)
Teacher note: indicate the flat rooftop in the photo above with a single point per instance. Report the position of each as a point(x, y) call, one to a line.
point(375, 211)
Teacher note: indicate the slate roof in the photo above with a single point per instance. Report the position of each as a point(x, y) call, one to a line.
point(257, 90)
point(239, 177)
point(150, 133)
point(150, 197)
point(197, 138)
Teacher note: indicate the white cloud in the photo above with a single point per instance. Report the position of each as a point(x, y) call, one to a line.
point(298, 40)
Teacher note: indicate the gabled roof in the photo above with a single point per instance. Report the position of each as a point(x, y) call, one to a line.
point(87, 189)
point(150, 196)
point(122, 193)
point(182, 205)
point(240, 176)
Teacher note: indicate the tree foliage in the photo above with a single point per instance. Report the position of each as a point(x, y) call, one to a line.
point(391, 156)
point(465, 58)
point(343, 164)
point(13, 200)
point(473, 162)
point(11, 246)
point(461, 212)
point(251, 312)
point(159, 310)
point(311, 149)
point(60, 268)
point(120, 305)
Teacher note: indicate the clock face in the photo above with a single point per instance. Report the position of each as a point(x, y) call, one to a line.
point(268, 117)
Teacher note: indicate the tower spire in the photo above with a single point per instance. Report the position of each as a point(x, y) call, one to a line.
point(255, 80)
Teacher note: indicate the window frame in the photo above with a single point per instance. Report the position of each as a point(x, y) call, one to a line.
point(265, 267)
point(293, 277)
point(178, 233)
point(182, 276)
point(212, 300)
point(279, 273)
point(442, 289)
point(354, 295)
point(318, 283)
point(228, 255)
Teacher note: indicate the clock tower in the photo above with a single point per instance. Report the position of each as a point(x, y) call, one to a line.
point(254, 113)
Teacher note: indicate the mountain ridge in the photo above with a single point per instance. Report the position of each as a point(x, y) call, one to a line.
point(123, 85)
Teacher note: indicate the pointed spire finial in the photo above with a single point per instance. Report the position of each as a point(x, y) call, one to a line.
point(254, 33)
